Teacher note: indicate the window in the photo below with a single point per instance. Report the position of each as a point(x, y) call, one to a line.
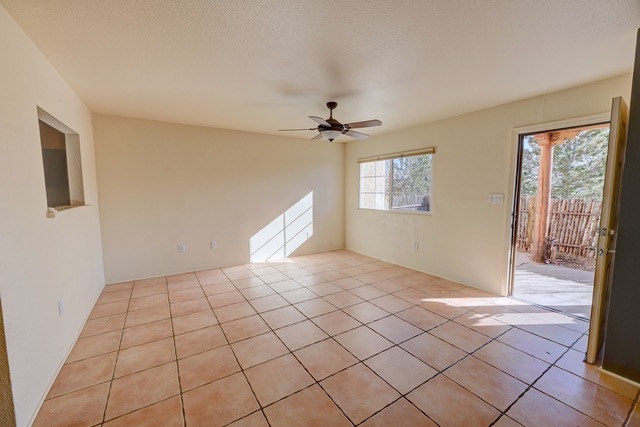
point(397, 182)
point(61, 163)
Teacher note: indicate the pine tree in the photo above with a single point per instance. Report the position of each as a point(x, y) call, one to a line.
point(578, 166)
point(412, 178)
point(530, 161)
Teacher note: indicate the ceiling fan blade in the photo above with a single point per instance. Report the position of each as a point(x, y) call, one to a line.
point(287, 130)
point(365, 124)
point(319, 120)
point(356, 135)
point(318, 136)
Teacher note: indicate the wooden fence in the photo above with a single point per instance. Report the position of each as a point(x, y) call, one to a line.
point(573, 225)
point(419, 202)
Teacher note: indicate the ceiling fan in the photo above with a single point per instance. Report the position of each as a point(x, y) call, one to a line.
point(331, 128)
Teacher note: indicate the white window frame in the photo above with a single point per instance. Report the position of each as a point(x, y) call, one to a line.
point(391, 156)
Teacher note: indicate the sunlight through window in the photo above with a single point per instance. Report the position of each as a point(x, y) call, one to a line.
point(286, 233)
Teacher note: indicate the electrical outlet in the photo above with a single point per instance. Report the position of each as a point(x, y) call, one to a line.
point(214, 244)
point(181, 248)
point(496, 198)
point(416, 245)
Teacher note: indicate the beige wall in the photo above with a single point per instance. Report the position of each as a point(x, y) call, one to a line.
point(164, 184)
point(465, 239)
point(42, 260)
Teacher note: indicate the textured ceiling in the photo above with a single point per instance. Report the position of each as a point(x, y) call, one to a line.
point(261, 65)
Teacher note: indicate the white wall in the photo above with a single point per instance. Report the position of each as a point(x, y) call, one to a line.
point(465, 239)
point(163, 184)
point(42, 260)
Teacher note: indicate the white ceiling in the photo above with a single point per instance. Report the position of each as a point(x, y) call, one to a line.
point(262, 65)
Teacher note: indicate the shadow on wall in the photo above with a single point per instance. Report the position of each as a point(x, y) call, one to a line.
point(282, 236)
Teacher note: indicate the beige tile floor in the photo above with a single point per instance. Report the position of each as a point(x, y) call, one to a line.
point(332, 339)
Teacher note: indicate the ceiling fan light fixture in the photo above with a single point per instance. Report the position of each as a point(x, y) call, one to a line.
point(330, 134)
point(331, 128)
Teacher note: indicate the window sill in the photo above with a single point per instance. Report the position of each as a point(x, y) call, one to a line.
point(53, 212)
point(398, 211)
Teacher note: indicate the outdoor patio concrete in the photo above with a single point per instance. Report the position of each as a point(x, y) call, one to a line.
point(560, 288)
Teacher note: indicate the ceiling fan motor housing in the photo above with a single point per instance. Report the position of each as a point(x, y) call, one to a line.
point(335, 126)
point(331, 128)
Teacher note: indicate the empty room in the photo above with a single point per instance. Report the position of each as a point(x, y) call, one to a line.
point(301, 213)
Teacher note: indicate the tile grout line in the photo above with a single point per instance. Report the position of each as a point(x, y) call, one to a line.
point(175, 352)
point(396, 345)
point(315, 382)
point(529, 386)
point(113, 374)
point(359, 361)
point(389, 315)
point(333, 374)
point(501, 413)
point(532, 386)
point(122, 334)
point(255, 396)
point(307, 318)
point(341, 310)
point(366, 324)
point(395, 314)
point(146, 369)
